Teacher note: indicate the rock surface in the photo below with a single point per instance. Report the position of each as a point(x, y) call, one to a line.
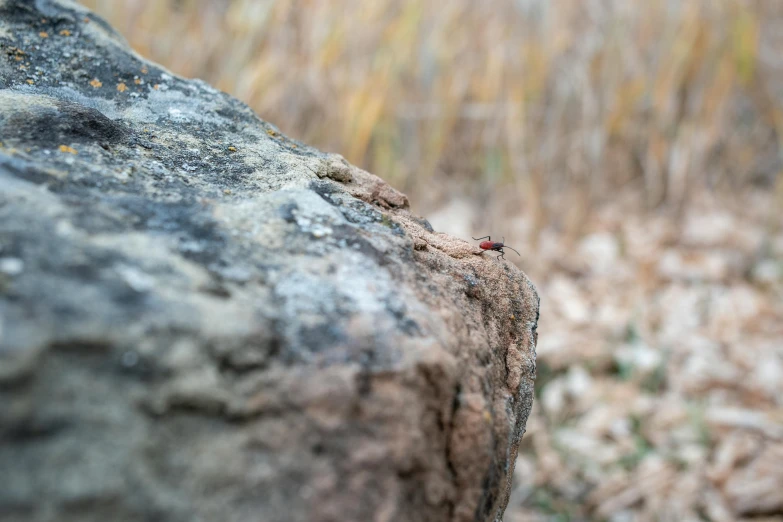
point(202, 319)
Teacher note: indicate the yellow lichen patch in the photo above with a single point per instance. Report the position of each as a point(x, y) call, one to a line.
point(43, 34)
point(66, 148)
point(137, 81)
point(122, 87)
point(30, 82)
point(226, 191)
point(17, 53)
point(96, 83)
point(232, 149)
point(156, 86)
point(65, 32)
point(272, 132)
point(144, 69)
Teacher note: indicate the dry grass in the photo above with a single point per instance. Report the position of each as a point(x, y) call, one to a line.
point(563, 98)
point(630, 149)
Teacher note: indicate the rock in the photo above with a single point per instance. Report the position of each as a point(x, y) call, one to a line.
point(203, 319)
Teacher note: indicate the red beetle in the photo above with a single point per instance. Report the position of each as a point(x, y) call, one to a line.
point(494, 245)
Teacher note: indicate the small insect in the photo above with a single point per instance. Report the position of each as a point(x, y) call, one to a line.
point(494, 245)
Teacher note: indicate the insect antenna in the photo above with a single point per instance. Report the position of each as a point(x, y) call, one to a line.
point(506, 246)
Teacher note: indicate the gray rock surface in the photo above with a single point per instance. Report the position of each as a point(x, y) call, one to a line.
point(203, 319)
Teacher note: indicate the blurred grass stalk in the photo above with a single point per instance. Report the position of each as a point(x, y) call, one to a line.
point(555, 104)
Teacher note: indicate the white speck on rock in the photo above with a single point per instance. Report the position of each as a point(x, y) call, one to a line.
point(11, 266)
point(136, 279)
point(320, 231)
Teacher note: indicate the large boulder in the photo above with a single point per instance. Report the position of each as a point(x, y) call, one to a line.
point(203, 319)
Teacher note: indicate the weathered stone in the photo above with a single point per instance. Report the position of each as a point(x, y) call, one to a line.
point(203, 319)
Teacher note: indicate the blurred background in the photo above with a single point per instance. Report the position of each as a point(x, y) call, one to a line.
point(631, 150)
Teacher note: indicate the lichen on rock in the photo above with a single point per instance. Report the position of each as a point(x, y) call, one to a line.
point(203, 319)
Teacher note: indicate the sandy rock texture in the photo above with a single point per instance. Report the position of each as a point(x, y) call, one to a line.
point(203, 319)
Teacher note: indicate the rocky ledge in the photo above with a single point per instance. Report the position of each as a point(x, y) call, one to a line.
point(203, 319)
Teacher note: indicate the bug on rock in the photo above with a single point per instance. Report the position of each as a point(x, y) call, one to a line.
point(494, 246)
